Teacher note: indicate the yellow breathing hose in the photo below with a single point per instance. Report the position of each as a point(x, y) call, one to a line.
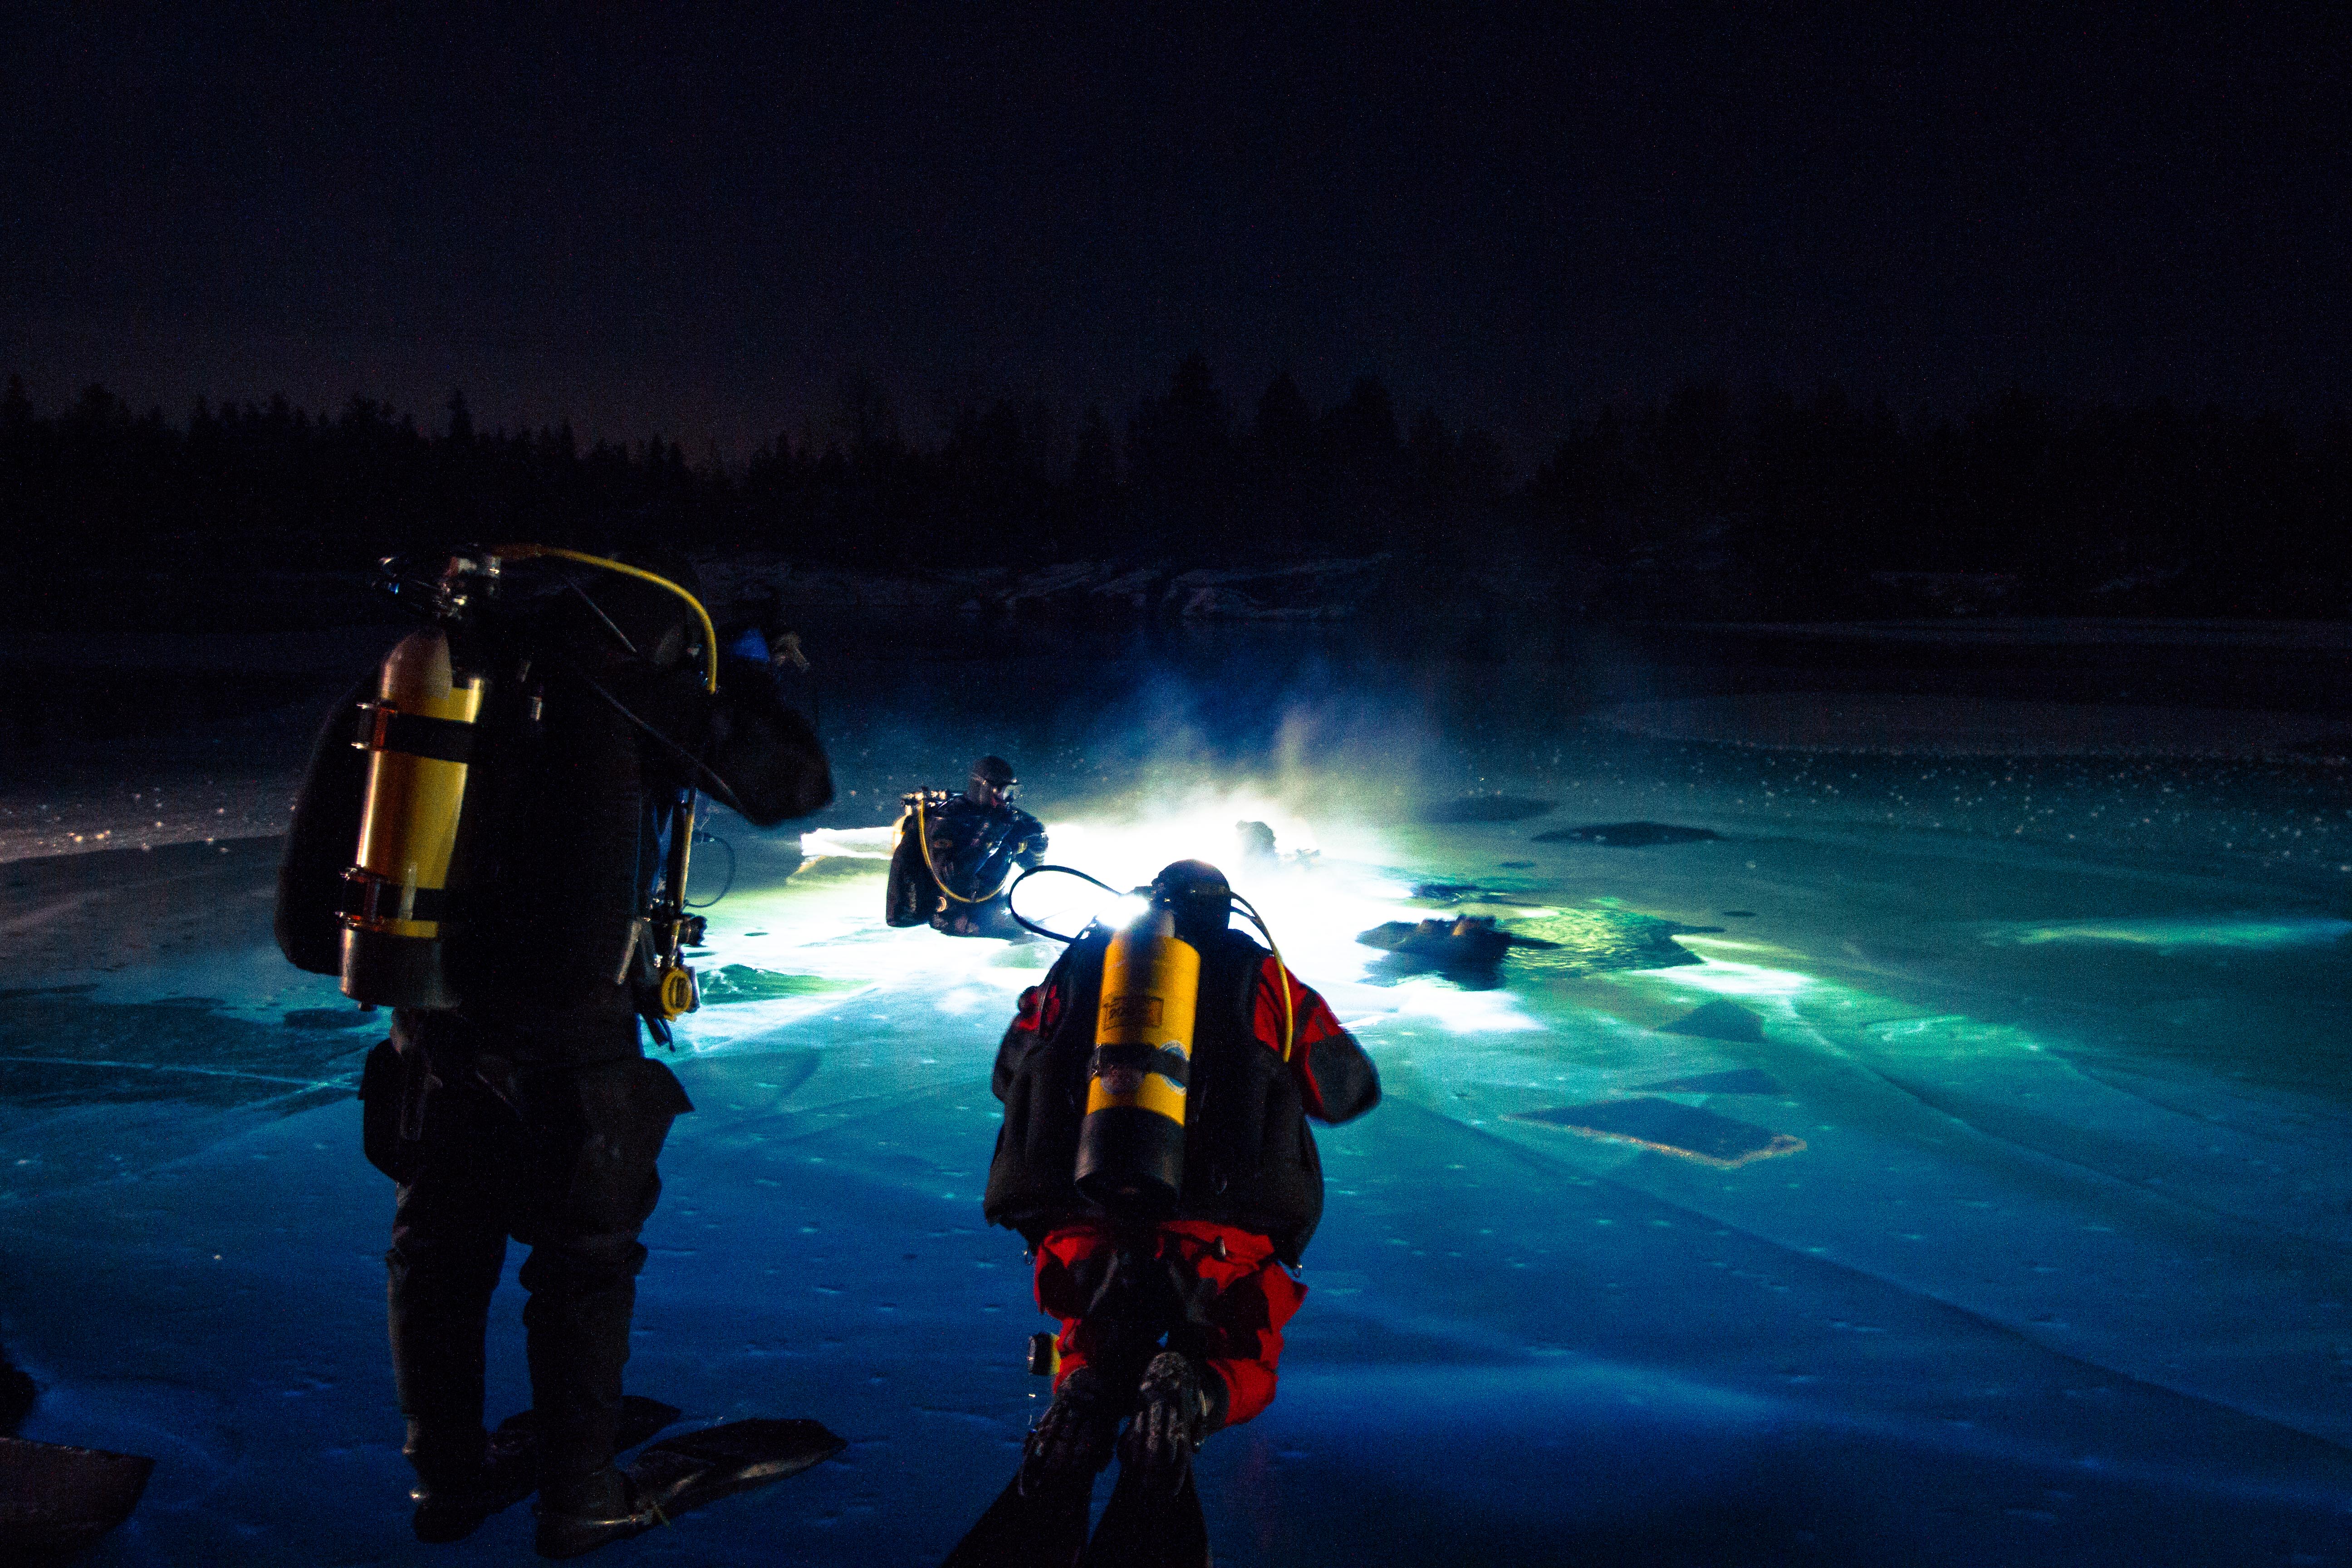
point(1289, 1019)
point(709, 633)
point(923, 836)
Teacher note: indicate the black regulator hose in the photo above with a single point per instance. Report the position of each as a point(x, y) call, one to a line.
point(1027, 924)
point(704, 836)
point(1289, 1021)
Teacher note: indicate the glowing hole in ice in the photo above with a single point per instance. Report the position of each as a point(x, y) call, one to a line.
point(1319, 891)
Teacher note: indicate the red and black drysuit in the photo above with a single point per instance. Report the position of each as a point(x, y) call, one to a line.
point(1211, 1276)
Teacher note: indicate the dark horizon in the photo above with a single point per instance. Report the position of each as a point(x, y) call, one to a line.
point(1702, 505)
point(696, 226)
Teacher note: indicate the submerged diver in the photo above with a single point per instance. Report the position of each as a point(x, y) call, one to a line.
point(564, 732)
point(1156, 1158)
point(955, 855)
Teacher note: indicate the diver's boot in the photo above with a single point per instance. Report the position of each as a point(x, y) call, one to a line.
point(579, 1513)
point(458, 1484)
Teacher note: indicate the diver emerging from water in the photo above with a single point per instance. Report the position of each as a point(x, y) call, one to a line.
point(1155, 1156)
point(956, 853)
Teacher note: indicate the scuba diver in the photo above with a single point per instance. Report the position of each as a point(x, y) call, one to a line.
point(1155, 1156)
point(954, 856)
point(518, 780)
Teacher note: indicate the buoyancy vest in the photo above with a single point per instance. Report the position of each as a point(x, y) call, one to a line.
point(1249, 1158)
point(558, 847)
point(555, 851)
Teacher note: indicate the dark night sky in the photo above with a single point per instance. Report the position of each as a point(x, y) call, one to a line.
point(697, 223)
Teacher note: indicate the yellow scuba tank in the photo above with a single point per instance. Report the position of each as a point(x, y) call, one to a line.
point(1131, 1143)
point(419, 735)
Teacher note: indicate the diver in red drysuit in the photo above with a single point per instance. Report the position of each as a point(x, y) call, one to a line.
point(1174, 1321)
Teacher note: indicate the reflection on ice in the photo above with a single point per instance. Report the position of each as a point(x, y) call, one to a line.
point(1424, 1000)
point(1969, 1038)
point(1730, 977)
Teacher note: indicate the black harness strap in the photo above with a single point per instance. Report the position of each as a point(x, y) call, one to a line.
point(1166, 1060)
point(380, 728)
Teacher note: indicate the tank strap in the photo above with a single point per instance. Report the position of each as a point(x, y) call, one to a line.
point(370, 897)
point(1169, 1063)
point(383, 728)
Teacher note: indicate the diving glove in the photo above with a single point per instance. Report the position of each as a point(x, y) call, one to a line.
point(1073, 1438)
point(1170, 1421)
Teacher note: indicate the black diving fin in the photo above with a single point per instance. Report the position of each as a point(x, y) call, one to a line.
point(1147, 1525)
point(514, 1447)
point(693, 1469)
point(684, 1472)
point(55, 1500)
point(510, 1469)
point(1042, 1529)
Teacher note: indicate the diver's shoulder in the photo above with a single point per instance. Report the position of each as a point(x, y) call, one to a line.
point(1242, 947)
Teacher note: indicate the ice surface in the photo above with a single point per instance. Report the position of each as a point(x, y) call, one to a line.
point(2058, 1276)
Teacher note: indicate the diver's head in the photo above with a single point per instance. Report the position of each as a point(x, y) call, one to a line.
point(1198, 895)
point(993, 782)
point(629, 616)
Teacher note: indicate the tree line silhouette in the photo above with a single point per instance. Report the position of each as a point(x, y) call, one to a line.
point(1704, 502)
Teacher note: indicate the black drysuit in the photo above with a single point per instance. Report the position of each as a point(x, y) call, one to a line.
point(531, 1110)
point(973, 852)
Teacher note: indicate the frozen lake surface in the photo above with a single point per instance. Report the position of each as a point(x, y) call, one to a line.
point(1944, 1162)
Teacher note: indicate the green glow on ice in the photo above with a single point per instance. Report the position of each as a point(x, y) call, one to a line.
point(2166, 935)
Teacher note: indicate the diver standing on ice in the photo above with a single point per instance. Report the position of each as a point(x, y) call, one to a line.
point(1155, 1156)
point(519, 781)
point(955, 855)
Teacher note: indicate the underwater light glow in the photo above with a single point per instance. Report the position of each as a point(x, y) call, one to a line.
point(819, 935)
point(1426, 1001)
point(1954, 1035)
point(1726, 978)
point(2164, 935)
point(1128, 851)
point(848, 843)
